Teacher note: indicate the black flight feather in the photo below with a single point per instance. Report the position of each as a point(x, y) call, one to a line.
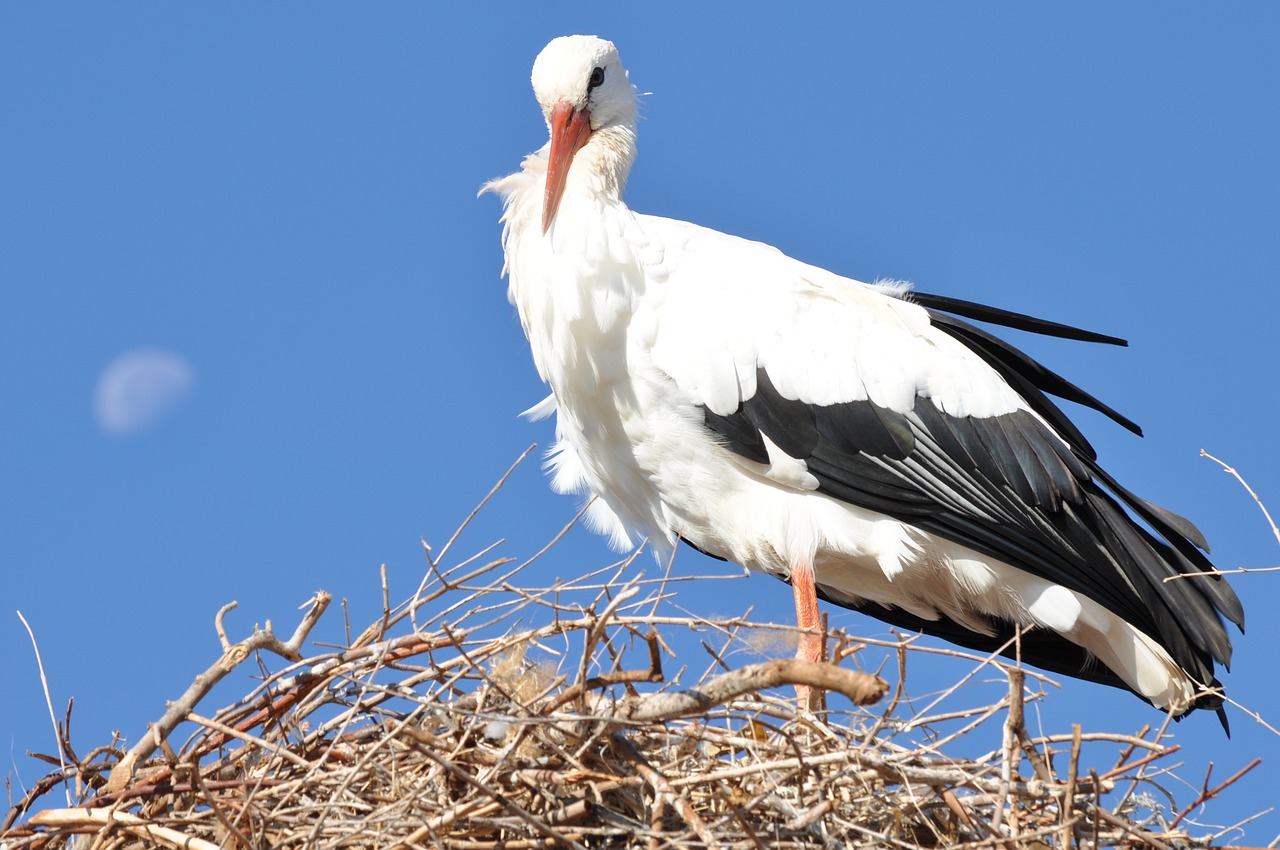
point(1013, 488)
point(1005, 358)
point(1009, 319)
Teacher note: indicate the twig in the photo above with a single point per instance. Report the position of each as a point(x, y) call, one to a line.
point(1128, 766)
point(507, 804)
point(1014, 728)
point(860, 688)
point(155, 789)
point(492, 492)
point(953, 803)
point(1069, 795)
point(470, 808)
point(990, 660)
point(217, 809)
point(1207, 793)
point(898, 690)
point(663, 788)
point(595, 683)
point(233, 655)
point(1232, 471)
point(98, 819)
point(48, 700)
point(249, 739)
point(598, 627)
point(1129, 829)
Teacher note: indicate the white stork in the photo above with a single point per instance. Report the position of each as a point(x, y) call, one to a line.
point(853, 439)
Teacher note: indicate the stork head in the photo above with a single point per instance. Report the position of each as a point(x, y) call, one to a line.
point(583, 91)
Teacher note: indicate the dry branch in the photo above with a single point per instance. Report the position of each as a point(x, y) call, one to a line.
point(860, 688)
point(95, 821)
point(232, 656)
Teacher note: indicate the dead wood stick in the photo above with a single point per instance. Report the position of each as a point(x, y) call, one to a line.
point(1207, 793)
point(1069, 795)
point(571, 813)
point(871, 764)
point(595, 683)
point(1134, 741)
point(287, 755)
point(293, 689)
point(656, 817)
point(98, 819)
point(42, 787)
point(158, 788)
point(1125, 768)
point(808, 818)
point(218, 807)
point(232, 655)
point(1014, 728)
point(470, 808)
point(663, 788)
point(1129, 829)
point(653, 674)
point(506, 802)
point(953, 803)
point(509, 843)
point(861, 688)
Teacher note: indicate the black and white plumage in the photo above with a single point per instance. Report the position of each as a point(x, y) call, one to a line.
point(858, 440)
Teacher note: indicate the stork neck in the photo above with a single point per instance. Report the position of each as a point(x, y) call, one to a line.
point(609, 156)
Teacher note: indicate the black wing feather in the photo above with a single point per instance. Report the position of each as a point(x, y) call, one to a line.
point(1008, 360)
point(1043, 649)
point(1009, 319)
point(790, 424)
point(1011, 488)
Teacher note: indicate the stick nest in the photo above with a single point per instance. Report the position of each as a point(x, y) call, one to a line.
point(480, 714)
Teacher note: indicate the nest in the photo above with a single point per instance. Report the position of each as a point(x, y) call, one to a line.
point(481, 714)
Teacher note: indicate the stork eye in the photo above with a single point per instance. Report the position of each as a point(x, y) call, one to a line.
point(597, 79)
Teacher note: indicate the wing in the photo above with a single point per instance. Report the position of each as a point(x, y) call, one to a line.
point(900, 408)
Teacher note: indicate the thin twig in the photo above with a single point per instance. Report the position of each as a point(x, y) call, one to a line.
point(96, 819)
point(262, 639)
point(663, 788)
point(1230, 470)
point(48, 700)
point(1068, 796)
point(1207, 793)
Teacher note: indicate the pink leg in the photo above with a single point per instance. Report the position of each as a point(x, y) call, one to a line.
point(812, 646)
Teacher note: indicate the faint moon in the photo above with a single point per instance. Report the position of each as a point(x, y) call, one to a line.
point(139, 387)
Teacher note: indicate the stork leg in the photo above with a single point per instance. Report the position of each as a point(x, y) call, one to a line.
point(813, 643)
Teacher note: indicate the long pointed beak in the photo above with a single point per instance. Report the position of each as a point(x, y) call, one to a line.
point(570, 129)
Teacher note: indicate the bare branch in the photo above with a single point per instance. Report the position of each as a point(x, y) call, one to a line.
point(262, 639)
point(860, 688)
point(1232, 472)
point(92, 820)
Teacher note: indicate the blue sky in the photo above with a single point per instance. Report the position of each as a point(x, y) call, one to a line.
point(278, 201)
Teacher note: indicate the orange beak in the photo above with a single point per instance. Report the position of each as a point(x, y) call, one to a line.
point(570, 129)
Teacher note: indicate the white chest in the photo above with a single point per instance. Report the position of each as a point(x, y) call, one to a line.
point(583, 295)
